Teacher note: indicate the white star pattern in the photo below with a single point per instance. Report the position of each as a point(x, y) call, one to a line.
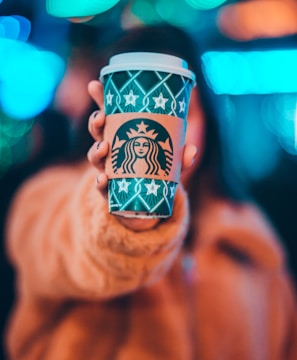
point(131, 98)
point(109, 98)
point(160, 101)
point(152, 188)
point(182, 106)
point(123, 185)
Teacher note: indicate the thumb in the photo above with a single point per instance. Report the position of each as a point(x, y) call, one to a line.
point(95, 89)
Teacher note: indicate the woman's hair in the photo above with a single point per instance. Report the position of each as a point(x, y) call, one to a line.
point(171, 40)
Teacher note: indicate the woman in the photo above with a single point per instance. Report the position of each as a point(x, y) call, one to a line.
point(210, 282)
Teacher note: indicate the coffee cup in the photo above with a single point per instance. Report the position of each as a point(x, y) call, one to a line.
point(146, 98)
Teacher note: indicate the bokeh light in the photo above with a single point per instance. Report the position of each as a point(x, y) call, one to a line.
point(253, 72)
point(252, 151)
point(145, 11)
point(78, 8)
point(279, 114)
point(15, 141)
point(11, 27)
point(205, 4)
point(179, 13)
point(25, 27)
point(2, 31)
point(255, 19)
point(23, 103)
point(28, 78)
point(11, 129)
point(15, 27)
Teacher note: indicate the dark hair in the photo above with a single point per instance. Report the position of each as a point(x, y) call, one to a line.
point(171, 40)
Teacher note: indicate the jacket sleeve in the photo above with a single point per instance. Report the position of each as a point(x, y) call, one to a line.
point(64, 243)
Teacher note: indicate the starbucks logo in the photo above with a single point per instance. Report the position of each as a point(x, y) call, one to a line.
point(143, 147)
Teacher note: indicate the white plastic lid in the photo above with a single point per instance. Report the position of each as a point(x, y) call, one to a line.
point(148, 61)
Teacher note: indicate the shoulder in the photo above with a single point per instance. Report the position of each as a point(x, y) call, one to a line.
point(242, 230)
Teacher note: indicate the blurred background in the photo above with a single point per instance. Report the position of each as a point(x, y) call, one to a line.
point(249, 59)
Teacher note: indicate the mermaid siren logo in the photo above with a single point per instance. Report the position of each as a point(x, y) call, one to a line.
point(142, 147)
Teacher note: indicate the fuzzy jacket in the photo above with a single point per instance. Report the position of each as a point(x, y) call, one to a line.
point(89, 288)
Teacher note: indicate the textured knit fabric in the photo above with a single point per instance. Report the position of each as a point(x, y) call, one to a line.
point(89, 288)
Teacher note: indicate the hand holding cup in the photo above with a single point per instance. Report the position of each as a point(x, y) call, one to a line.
point(144, 152)
point(98, 152)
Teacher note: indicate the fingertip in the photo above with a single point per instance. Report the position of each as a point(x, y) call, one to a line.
point(193, 150)
point(103, 150)
point(96, 123)
point(95, 89)
point(89, 155)
point(190, 155)
point(102, 181)
point(93, 85)
point(97, 118)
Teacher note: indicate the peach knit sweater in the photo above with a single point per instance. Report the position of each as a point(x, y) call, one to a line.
point(89, 288)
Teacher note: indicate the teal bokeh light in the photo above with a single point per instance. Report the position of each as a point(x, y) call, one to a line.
point(25, 102)
point(205, 4)
point(15, 141)
point(11, 27)
point(78, 8)
point(145, 11)
point(15, 27)
point(251, 151)
point(2, 31)
point(178, 13)
point(28, 78)
point(12, 130)
point(25, 27)
point(279, 113)
point(254, 72)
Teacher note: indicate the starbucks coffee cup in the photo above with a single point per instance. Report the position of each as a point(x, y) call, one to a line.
point(146, 99)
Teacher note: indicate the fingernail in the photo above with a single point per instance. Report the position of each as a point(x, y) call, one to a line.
point(96, 113)
point(97, 179)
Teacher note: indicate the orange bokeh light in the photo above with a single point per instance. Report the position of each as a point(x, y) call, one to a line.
point(258, 19)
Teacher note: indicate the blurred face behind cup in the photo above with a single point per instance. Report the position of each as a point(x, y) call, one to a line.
point(72, 97)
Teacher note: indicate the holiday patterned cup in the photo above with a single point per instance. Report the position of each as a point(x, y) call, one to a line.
point(146, 103)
